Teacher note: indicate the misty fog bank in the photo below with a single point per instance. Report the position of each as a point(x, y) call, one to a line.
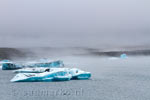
point(73, 23)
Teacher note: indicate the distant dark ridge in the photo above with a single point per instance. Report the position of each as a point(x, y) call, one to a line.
point(35, 53)
point(9, 53)
point(118, 53)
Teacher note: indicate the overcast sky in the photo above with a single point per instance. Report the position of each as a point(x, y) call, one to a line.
point(92, 23)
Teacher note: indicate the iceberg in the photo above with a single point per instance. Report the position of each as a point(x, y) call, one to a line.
point(13, 66)
point(52, 74)
point(123, 56)
point(10, 66)
point(79, 74)
point(57, 63)
point(32, 70)
point(4, 61)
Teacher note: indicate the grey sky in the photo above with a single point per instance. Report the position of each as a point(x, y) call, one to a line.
point(94, 23)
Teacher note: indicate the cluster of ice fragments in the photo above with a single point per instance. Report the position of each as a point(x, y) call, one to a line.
point(44, 71)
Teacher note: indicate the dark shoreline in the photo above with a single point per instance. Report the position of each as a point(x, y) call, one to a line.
point(11, 53)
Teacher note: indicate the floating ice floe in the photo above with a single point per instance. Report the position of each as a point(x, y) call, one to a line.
point(32, 70)
point(113, 58)
point(52, 74)
point(12, 66)
point(123, 56)
point(4, 61)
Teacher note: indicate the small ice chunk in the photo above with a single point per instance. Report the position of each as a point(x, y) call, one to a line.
point(123, 56)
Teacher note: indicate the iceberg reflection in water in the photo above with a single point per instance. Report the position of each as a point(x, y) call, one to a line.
point(51, 74)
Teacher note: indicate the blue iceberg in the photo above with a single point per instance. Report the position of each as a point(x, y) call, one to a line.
point(4, 61)
point(58, 63)
point(123, 56)
point(53, 74)
point(13, 66)
point(79, 74)
point(32, 70)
